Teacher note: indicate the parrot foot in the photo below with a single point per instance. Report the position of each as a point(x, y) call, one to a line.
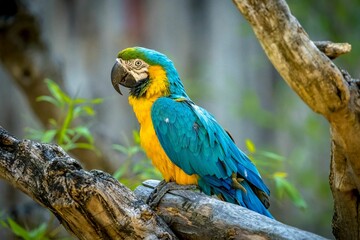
point(236, 182)
point(162, 188)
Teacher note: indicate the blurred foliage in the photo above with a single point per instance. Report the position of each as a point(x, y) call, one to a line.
point(63, 131)
point(291, 129)
point(38, 233)
point(271, 166)
point(136, 167)
point(43, 232)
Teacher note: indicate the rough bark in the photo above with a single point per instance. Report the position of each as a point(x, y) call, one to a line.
point(193, 215)
point(93, 205)
point(323, 87)
point(27, 58)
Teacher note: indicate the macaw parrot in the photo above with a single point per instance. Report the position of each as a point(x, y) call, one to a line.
point(183, 140)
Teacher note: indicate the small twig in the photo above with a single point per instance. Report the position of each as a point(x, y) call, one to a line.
point(333, 50)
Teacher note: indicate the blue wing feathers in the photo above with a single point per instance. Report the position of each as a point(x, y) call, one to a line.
point(196, 143)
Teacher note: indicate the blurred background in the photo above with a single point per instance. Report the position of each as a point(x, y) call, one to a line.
point(223, 69)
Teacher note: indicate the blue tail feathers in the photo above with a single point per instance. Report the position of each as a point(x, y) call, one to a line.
point(223, 187)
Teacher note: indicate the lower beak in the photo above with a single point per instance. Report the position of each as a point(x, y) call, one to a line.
point(120, 76)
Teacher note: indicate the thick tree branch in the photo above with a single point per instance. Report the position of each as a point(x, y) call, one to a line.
point(93, 205)
point(194, 214)
point(326, 90)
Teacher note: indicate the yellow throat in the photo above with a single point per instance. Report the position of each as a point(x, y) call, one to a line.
point(158, 87)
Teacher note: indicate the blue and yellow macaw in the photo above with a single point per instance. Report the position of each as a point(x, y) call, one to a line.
point(183, 140)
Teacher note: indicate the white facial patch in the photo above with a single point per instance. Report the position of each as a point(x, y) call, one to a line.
point(136, 67)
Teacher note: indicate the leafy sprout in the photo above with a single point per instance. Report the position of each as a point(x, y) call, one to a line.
point(63, 131)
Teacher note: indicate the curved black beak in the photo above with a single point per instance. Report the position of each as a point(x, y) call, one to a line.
point(120, 76)
point(117, 72)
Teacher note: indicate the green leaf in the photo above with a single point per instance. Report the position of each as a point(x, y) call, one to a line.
point(77, 111)
point(4, 224)
point(136, 136)
point(57, 93)
point(67, 138)
point(280, 175)
point(84, 132)
point(68, 146)
point(285, 188)
point(53, 123)
point(77, 101)
point(96, 101)
point(54, 90)
point(89, 110)
point(34, 133)
point(35, 234)
point(120, 148)
point(39, 232)
point(84, 146)
point(82, 110)
point(272, 155)
point(18, 230)
point(69, 132)
point(129, 151)
point(120, 172)
point(250, 146)
point(2, 220)
point(49, 99)
point(48, 136)
point(138, 167)
point(133, 150)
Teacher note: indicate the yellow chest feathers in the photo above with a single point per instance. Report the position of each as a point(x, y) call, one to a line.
point(142, 107)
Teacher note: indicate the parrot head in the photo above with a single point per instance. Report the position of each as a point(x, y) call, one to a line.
point(145, 71)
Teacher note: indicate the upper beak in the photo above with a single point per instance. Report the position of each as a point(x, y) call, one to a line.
point(119, 75)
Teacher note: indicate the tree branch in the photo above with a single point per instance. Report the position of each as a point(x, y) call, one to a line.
point(93, 205)
point(333, 50)
point(193, 215)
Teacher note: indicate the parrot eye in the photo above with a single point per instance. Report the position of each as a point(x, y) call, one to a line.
point(138, 63)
